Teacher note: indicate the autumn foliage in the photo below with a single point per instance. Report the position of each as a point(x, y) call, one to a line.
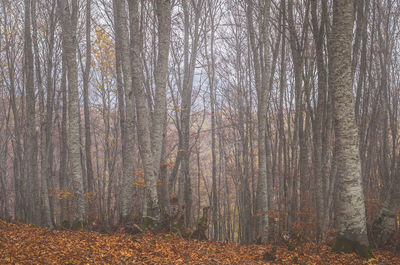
point(27, 244)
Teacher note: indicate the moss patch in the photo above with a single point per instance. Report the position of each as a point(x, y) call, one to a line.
point(65, 225)
point(267, 256)
point(377, 231)
point(201, 221)
point(152, 224)
point(77, 225)
point(345, 245)
point(176, 228)
point(147, 221)
point(273, 250)
point(291, 247)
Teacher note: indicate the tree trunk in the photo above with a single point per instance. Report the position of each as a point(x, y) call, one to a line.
point(350, 212)
point(88, 141)
point(261, 78)
point(143, 123)
point(69, 23)
point(320, 178)
point(384, 226)
point(185, 188)
point(45, 138)
point(127, 123)
point(63, 142)
point(211, 83)
point(163, 10)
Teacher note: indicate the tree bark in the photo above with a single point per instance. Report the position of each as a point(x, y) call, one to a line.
point(127, 123)
point(143, 123)
point(45, 137)
point(261, 77)
point(32, 184)
point(185, 188)
point(63, 141)
point(350, 212)
point(210, 56)
point(88, 141)
point(69, 23)
point(163, 10)
point(320, 178)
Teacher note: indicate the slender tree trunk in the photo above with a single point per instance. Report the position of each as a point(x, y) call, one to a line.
point(185, 188)
point(3, 169)
point(88, 141)
point(210, 56)
point(44, 137)
point(164, 193)
point(143, 123)
point(33, 202)
point(63, 142)
point(69, 22)
point(127, 122)
point(318, 32)
point(163, 10)
point(261, 78)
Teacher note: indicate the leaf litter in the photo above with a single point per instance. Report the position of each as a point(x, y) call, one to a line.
point(28, 244)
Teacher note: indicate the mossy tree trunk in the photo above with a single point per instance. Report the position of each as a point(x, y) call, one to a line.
point(384, 226)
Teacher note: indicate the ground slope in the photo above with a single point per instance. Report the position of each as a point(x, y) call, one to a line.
point(26, 244)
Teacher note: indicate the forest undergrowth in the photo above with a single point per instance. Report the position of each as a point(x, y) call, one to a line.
point(28, 244)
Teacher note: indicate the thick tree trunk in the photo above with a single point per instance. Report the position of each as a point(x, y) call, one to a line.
point(350, 212)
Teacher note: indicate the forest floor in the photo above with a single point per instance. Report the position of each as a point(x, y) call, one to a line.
point(27, 244)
